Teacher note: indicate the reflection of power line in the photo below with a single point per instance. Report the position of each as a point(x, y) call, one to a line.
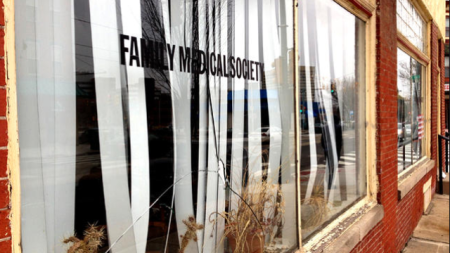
point(78, 44)
point(90, 64)
point(89, 56)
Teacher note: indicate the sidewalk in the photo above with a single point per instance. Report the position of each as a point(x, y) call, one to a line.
point(432, 233)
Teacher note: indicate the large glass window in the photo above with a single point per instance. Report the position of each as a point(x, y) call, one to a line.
point(332, 112)
point(411, 110)
point(165, 126)
point(411, 24)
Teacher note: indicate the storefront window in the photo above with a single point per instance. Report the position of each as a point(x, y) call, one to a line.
point(411, 116)
point(332, 112)
point(164, 126)
point(411, 24)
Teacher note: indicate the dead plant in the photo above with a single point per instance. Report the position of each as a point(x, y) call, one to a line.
point(259, 212)
point(191, 232)
point(318, 206)
point(92, 241)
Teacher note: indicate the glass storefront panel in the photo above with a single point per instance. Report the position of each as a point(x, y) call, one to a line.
point(157, 126)
point(410, 117)
point(332, 112)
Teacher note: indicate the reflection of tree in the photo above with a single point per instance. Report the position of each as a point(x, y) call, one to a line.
point(404, 75)
point(153, 29)
point(348, 89)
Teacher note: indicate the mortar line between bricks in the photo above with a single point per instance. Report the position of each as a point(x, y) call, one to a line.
point(4, 209)
point(3, 178)
point(4, 148)
point(5, 239)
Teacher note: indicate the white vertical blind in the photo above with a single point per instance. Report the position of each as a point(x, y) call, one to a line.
point(140, 167)
point(238, 106)
point(65, 120)
point(305, 62)
point(45, 82)
point(271, 40)
point(110, 123)
point(203, 127)
point(323, 67)
point(287, 121)
point(210, 237)
point(222, 34)
point(46, 93)
point(34, 228)
point(178, 33)
point(254, 96)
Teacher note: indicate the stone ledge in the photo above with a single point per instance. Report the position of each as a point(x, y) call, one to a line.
point(356, 232)
point(407, 182)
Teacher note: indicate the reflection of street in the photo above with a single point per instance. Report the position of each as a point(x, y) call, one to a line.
point(86, 160)
point(349, 142)
point(345, 189)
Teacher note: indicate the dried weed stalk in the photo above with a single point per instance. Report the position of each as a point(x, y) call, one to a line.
point(259, 212)
point(92, 241)
point(191, 233)
point(319, 208)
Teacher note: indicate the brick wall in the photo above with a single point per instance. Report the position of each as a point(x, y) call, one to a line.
point(386, 85)
point(373, 242)
point(441, 58)
point(410, 208)
point(434, 93)
point(401, 217)
point(5, 227)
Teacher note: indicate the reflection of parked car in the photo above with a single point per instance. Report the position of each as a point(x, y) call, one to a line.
point(408, 129)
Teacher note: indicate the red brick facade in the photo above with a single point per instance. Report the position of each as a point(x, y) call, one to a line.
point(401, 217)
point(386, 86)
point(5, 204)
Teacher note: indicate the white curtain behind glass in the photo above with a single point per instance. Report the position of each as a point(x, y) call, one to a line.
point(262, 31)
point(46, 95)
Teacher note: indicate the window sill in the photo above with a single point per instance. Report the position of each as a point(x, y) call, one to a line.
point(349, 232)
point(410, 179)
point(356, 232)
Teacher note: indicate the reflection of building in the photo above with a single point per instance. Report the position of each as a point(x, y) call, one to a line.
point(302, 73)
